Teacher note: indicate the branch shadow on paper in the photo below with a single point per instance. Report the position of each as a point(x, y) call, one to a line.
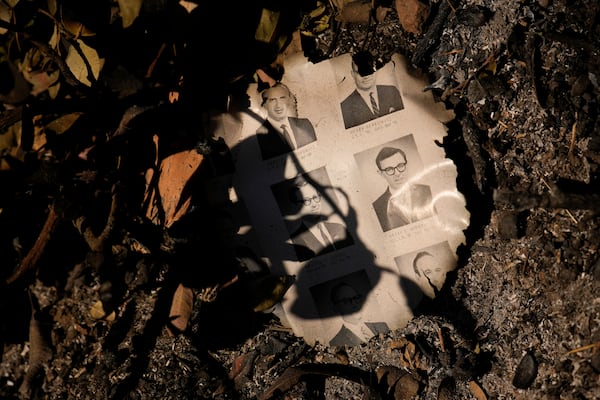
point(303, 182)
point(320, 235)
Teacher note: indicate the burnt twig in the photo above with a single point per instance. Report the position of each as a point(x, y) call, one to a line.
point(31, 259)
point(96, 243)
point(62, 65)
point(433, 34)
point(40, 351)
point(294, 375)
point(473, 140)
point(533, 64)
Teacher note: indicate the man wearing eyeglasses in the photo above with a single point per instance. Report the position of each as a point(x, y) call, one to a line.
point(315, 235)
point(348, 301)
point(369, 100)
point(402, 202)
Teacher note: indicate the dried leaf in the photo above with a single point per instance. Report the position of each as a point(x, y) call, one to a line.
point(447, 389)
point(39, 138)
point(242, 365)
point(293, 375)
point(319, 10)
point(398, 344)
point(188, 5)
point(181, 309)
point(138, 247)
point(409, 352)
point(406, 388)
point(78, 66)
point(316, 21)
point(381, 12)
point(341, 4)
point(53, 90)
point(387, 376)
point(52, 6)
point(173, 187)
point(20, 89)
point(355, 12)
point(395, 380)
point(287, 380)
point(268, 290)
point(477, 391)
point(76, 28)
point(5, 15)
point(342, 356)
point(412, 14)
point(265, 31)
point(63, 123)
point(10, 138)
point(97, 311)
point(129, 10)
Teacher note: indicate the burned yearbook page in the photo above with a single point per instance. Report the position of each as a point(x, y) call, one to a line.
point(337, 177)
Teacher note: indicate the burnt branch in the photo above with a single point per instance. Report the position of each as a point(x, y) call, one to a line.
point(293, 375)
point(96, 242)
point(61, 64)
point(33, 256)
point(433, 34)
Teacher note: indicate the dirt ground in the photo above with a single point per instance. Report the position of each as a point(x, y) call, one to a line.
point(519, 318)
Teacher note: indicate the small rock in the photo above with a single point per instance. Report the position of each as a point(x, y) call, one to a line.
point(526, 372)
point(474, 16)
point(544, 3)
point(447, 389)
point(580, 85)
point(475, 91)
point(595, 270)
point(406, 388)
point(596, 361)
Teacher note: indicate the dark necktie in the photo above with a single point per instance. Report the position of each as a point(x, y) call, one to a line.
point(286, 135)
point(374, 104)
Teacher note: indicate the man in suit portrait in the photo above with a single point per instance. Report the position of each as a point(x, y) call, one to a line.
point(281, 133)
point(314, 235)
point(347, 301)
point(368, 101)
point(429, 270)
point(402, 203)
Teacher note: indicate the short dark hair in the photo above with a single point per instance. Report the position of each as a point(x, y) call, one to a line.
point(387, 152)
point(334, 290)
point(265, 92)
point(419, 255)
point(297, 183)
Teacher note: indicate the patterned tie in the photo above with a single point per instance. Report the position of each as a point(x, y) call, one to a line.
point(374, 104)
point(286, 135)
